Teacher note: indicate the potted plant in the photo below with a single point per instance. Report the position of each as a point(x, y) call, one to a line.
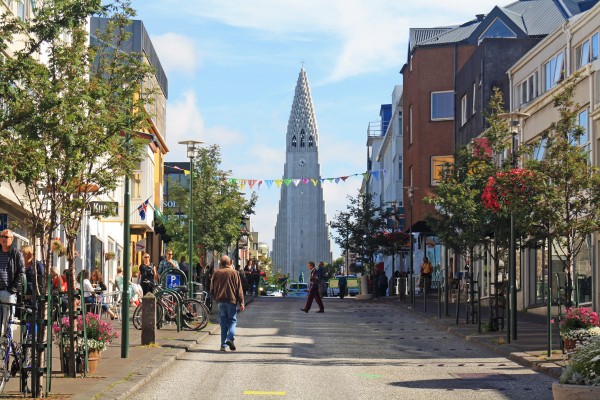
point(100, 335)
point(576, 325)
point(581, 378)
point(109, 255)
point(58, 247)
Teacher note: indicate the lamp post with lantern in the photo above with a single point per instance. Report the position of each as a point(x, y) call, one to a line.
point(192, 146)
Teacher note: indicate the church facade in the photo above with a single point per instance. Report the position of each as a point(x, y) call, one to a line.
point(301, 231)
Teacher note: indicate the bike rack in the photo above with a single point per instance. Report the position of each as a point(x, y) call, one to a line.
point(178, 299)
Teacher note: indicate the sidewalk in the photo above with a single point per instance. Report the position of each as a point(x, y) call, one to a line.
point(530, 349)
point(117, 377)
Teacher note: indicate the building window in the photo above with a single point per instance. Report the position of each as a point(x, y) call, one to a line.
point(463, 110)
point(553, 71)
point(400, 167)
point(400, 122)
point(582, 54)
point(497, 29)
point(528, 89)
point(584, 140)
point(540, 150)
point(302, 138)
point(21, 9)
point(438, 164)
point(474, 97)
point(442, 105)
point(294, 141)
point(410, 124)
point(595, 49)
point(310, 141)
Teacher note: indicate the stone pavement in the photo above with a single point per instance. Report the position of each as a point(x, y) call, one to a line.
point(530, 349)
point(116, 377)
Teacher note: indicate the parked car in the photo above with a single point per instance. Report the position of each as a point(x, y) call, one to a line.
point(274, 291)
point(296, 289)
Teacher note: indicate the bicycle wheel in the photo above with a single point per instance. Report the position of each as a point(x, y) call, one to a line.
point(137, 316)
point(4, 358)
point(194, 315)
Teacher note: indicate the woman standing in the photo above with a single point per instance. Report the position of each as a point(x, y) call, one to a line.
point(147, 274)
point(32, 268)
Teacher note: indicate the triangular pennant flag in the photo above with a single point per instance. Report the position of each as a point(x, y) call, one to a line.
point(296, 182)
point(269, 182)
point(287, 181)
point(259, 183)
point(322, 180)
point(305, 180)
point(337, 180)
point(186, 172)
point(344, 178)
point(314, 181)
point(375, 174)
point(233, 180)
point(242, 183)
point(278, 182)
point(330, 179)
point(251, 183)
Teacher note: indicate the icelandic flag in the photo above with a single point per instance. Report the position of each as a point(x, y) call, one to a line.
point(142, 210)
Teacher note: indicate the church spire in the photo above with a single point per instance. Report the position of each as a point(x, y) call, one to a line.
point(302, 124)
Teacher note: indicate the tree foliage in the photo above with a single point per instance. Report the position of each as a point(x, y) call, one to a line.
point(219, 208)
point(68, 108)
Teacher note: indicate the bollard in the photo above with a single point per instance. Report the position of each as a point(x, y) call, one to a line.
point(148, 319)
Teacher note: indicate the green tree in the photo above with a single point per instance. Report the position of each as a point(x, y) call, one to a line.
point(66, 121)
point(568, 194)
point(219, 208)
point(361, 227)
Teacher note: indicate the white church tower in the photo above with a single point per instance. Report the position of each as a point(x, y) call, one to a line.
point(301, 232)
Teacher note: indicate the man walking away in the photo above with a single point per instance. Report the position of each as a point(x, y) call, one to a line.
point(314, 289)
point(322, 279)
point(226, 289)
point(12, 268)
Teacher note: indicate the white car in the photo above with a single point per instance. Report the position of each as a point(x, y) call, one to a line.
point(298, 290)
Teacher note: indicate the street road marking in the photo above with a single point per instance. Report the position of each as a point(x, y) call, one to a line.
point(370, 376)
point(261, 393)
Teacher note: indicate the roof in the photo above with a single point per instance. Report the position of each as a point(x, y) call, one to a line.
point(528, 18)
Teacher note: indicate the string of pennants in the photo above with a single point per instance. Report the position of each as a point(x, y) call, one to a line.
point(242, 182)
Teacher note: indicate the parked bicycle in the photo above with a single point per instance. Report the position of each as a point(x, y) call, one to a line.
point(194, 314)
point(15, 351)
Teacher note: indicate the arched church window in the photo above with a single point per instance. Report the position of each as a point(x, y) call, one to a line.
point(294, 141)
point(311, 141)
point(302, 138)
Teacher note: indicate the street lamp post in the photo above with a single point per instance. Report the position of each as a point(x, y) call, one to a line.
point(514, 119)
point(411, 260)
point(191, 153)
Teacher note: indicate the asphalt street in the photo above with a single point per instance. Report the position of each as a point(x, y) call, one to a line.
point(355, 350)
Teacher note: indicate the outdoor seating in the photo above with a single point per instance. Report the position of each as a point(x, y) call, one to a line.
point(113, 300)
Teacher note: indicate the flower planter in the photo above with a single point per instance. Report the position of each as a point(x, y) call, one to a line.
point(569, 344)
point(93, 360)
point(572, 392)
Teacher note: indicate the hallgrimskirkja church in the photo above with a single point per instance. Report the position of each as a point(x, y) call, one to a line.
point(301, 231)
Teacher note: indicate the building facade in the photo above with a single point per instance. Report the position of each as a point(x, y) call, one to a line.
point(301, 231)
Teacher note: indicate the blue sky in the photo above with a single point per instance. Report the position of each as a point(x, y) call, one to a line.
point(232, 68)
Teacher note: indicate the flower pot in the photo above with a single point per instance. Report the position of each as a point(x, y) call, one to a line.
point(572, 392)
point(93, 360)
point(569, 344)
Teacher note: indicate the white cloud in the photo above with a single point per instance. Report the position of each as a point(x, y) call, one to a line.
point(185, 121)
point(177, 53)
point(372, 34)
